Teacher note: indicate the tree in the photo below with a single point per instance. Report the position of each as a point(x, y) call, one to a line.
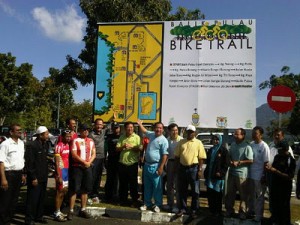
point(17, 87)
point(292, 81)
point(83, 69)
point(80, 111)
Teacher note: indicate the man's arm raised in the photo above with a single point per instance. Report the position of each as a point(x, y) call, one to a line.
point(140, 123)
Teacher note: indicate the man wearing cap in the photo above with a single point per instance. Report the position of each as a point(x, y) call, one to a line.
point(98, 135)
point(155, 159)
point(81, 180)
point(112, 177)
point(37, 176)
point(11, 166)
point(241, 157)
point(189, 155)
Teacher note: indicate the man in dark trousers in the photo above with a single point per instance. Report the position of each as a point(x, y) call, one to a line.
point(111, 185)
point(11, 166)
point(98, 136)
point(37, 176)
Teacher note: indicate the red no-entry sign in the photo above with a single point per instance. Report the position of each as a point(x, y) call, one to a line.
point(281, 99)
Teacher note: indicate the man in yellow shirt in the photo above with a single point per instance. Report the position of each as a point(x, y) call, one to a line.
point(129, 146)
point(189, 155)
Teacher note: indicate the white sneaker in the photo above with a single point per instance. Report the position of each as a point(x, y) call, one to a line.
point(90, 201)
point(143, 208)
point(96, 200)
point(156, 209)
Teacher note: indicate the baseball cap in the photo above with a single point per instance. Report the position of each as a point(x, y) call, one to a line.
point(191, 127)
point(83, 127)
point(115, 125)
point(41, 129)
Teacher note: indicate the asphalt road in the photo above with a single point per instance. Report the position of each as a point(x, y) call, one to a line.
point(19, 219)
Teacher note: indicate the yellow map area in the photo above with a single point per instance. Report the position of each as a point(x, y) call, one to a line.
point(137, 68)
point(146, 105)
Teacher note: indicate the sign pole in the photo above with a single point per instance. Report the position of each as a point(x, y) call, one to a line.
point(279, 120)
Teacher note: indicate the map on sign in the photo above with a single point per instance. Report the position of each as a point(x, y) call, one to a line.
point(129, 72)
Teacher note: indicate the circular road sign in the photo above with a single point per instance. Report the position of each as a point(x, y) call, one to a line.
point(281, 99)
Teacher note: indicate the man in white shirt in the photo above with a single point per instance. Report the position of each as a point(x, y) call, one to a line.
point(278, 135)
point(11, 166)
point(257, 180)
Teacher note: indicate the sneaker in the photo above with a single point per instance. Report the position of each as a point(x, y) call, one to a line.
point(243, 216)
point(70, 215)
point(257, 219)
point(84, 214)
point(175, 210)
point(60, 217)
point(90, 201)
point(193, 214)
point(166, 208)
point(180, 212)
point(143, 208)
point(228, 214)
point(95, 200)
point(156, 209)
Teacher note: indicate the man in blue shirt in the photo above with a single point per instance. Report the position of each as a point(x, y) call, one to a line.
point(155, 159)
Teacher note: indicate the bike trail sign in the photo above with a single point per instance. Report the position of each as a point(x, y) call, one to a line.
point(281, 99)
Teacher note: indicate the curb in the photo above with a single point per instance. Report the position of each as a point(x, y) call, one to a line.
point(162, 217)
point(145, 216)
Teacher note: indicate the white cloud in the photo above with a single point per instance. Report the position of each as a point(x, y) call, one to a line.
point(11, 12)
point(64, 25)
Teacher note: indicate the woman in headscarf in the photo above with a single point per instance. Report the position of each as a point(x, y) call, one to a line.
point(217, 163)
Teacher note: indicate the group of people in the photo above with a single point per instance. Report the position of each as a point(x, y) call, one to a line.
point(252, 168)
point(80, 161)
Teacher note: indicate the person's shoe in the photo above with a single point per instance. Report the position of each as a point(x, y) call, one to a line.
point(257, 219)
point(180, 212)
point(42, 220)
point(70, 215)
point(143, 208)
point(166, 208)
point(95, 200)
point(84, 214)
point(243, 216)
point(90, 201)
point(250, 215)
point(194, 214)
point(228, 214)
point(156, 209)
point(175, 210)
point(60, 217)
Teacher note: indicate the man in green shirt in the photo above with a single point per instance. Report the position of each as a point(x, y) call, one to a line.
point(129, 146)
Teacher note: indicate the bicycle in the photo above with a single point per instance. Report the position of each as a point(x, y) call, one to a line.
point(205, 33)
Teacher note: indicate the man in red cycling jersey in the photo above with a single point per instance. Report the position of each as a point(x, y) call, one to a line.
point(62, 151)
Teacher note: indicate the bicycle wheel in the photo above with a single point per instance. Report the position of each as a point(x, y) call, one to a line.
point(210, 35)
point(197, 35)
point(222, 35)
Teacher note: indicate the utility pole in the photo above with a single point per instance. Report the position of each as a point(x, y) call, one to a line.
point(58, 107)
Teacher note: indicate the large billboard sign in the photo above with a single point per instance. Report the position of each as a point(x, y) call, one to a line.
point(187, 72)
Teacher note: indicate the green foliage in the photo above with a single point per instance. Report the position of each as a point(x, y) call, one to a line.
point(17, 86)
point(292, 81)
point(80, 111)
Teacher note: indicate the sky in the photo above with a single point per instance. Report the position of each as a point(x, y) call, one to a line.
point(43, 33)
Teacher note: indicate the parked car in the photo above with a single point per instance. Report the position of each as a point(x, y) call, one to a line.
point(206, 139)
